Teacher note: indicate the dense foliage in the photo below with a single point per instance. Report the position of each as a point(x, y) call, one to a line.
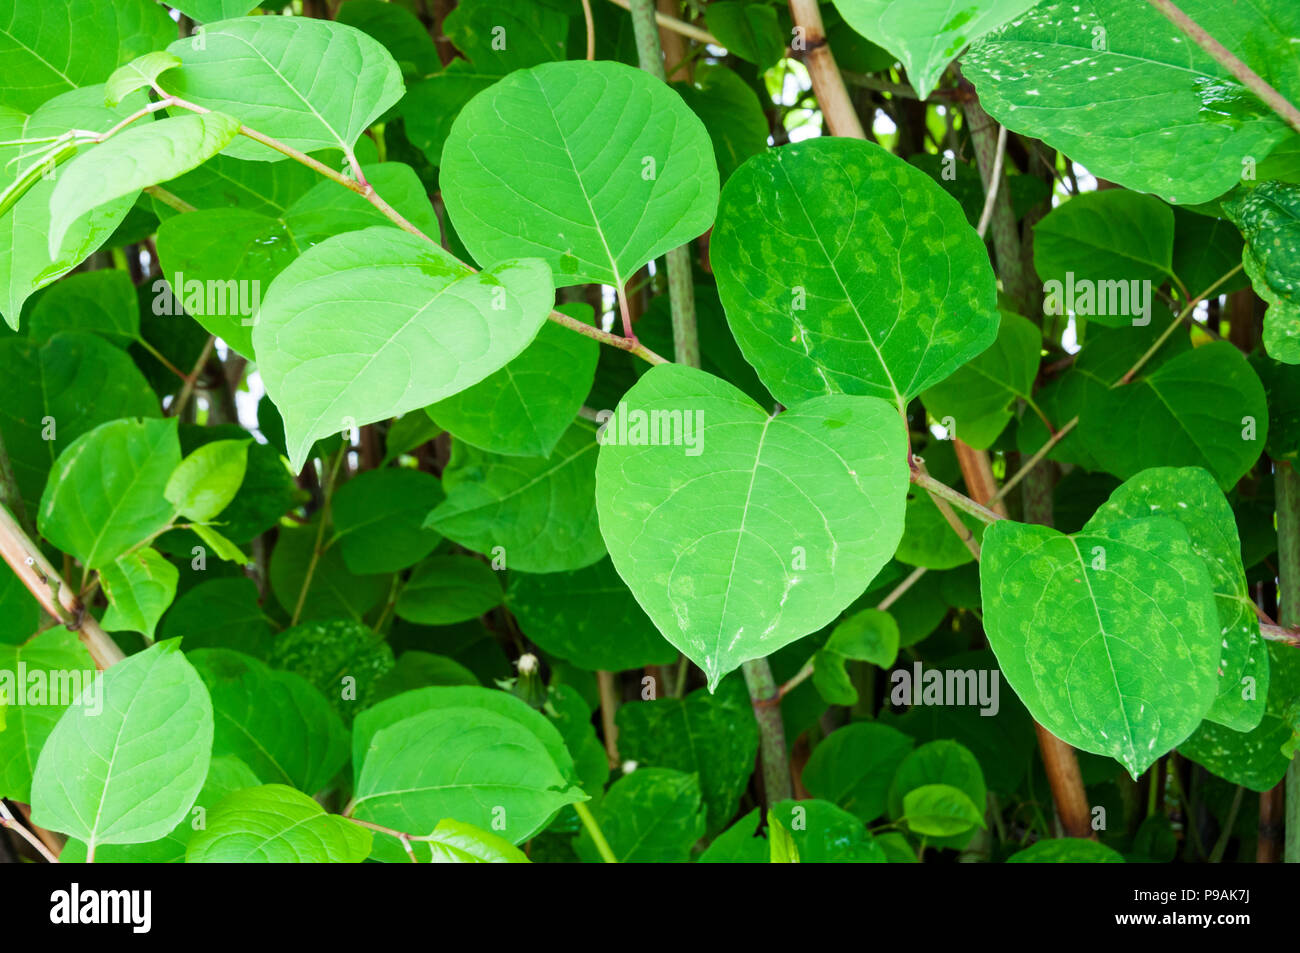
point(524, 430)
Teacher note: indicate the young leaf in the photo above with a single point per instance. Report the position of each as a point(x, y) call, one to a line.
point(105, 492)
point(137, 157)
point(572, 615)
point(1191, 496)
point(444, 590)
point(629, 171)
point(928, 35)
point(866, 636)
point(140, 73)
point(536, 512)
point(1123, 91)
point(204, 483)
point(453, 842)
point(782, 846)
point(789, 516)
point(424, 310)
point(276, 722)
point(814, 306)
point(940, 810)
point(140, 586)
point(274, 824)
point(130, 772)
point(266, 71)
point(1110, 637)
point(652, 815)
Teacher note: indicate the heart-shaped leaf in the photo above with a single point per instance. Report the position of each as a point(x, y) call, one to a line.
point(431, 327)
point(816, 306)
point(1110, 636)
point(751, 531)
point(629, 171)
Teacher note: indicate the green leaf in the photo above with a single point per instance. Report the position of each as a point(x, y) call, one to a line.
point(790, 516)
point(139, 156)
point(424, 309)
point(208, 11)
point(1191, 496)
point(276, 722)
point(223, 547)
point(853, 767)
point(814, 306)
point(1066, 850)
point(416, 669)
point(140, 73)
point(741, 843)
point(1259, 758)
point(226, 774)
point(342, 659)
point(467, 763)
point(220, 613)
point(938, 762)
point(731, 113)
point(332, 592)
point(204, 483)
point(105, 492)
point(524, 408)
point(652, 815)
point(103, 302)
point(979, 398)
point(63, 663)
point(130, 772)
point(53, 47)
point(588, 617)
point(266, 72)
point(1204, 408)
point(1206, 249)
point(1107, 240)
point(455, 843)
point(533, 32)
point(571, 715)
point(378, 519)
point(866, 636)
point(927, 36)
point(1122, 90)
point(712, 736)
point(397, 28)
point(60, 391)
point(749, 30)
point(274, 824)
point(140, 586)
point(535, 513)
point(782, 846)
point(444, 590)
point(25, 260)
point(20, 613)
point(940, 810)
point(824, 834)
point(409, 704)
point(1129, 669)
point(1269, 219)
point(629, 171)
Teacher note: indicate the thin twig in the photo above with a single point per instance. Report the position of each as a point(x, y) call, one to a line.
point(1229, 61)
point(187, 389)
point(995, 181)
point(677, 26)
point(591, 29)
point(8, 821)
